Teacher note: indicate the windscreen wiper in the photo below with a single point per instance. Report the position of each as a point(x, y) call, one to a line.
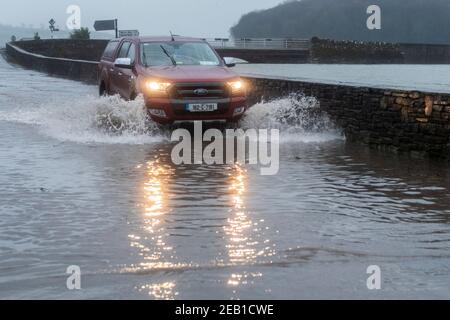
point(144, 55)
point(167, 54)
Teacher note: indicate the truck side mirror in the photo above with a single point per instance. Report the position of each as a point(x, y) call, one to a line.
point(229, 62)
point(124, 63)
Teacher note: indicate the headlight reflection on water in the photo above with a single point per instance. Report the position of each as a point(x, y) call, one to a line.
point(157, 255)
point(241, 249)
point(243, 235)
point(243, 239)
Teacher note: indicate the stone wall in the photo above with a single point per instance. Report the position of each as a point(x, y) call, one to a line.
point(90, 50)
point(267, 55)
point(425, 53)
point(416, 122)
point(322, 51)
point(93, 49)
point(80, 70)
point(331, 51)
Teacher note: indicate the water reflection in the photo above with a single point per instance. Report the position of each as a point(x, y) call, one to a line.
point(161, 291)
point(244, 244)
point(176, 205)
point(155, 206)
point(153, 247)
point(241, 248)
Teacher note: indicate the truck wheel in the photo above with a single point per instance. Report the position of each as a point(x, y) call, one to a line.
point(102, 90)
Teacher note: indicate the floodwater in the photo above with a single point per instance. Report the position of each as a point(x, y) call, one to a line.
point(74, 191)
point(428, 78)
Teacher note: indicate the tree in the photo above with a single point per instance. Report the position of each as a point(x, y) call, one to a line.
point(36, 36)
point(81, 34)
point(402, 21)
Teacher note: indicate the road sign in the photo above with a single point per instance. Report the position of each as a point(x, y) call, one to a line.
point(52, 25)
point(104, 25)
point(128, 33)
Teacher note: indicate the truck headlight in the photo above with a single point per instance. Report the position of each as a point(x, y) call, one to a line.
point(157, 87)
point(236, 86)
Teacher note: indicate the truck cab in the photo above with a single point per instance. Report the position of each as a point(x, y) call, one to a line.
point(181, 79)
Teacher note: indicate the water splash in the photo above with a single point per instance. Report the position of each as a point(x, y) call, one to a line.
point(111, 120)
point(90, 119)
point(297, 116)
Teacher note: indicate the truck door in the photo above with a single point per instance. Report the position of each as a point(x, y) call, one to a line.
point(126, 77)
point(107, 65)
point(117, 74)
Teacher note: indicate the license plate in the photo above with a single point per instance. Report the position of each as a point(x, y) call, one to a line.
point(201, 107)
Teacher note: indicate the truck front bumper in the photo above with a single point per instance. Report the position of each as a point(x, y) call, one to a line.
point(168, 111)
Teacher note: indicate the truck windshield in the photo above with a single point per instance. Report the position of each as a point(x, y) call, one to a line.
point(179, 53)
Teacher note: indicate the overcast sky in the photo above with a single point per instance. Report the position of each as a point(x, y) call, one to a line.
point(201, 18)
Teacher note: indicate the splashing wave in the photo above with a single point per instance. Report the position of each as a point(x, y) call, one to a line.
point(297, 116)
point(109, 120)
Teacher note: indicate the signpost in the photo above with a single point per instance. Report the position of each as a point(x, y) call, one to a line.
point(128, 33)
point(106, 25)
point(52, 27)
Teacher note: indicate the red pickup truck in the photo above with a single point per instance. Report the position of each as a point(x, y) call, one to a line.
point(181, 79)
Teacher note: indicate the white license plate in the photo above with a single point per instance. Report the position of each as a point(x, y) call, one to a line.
point(202, 107)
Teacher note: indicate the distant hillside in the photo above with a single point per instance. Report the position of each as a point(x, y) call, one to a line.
point(407, 21)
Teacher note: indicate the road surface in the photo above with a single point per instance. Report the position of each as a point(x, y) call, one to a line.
point(75, 192)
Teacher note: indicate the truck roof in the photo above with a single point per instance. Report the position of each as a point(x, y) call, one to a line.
point(163, 39)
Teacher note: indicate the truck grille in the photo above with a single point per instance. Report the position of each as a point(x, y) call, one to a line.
point(198, 91)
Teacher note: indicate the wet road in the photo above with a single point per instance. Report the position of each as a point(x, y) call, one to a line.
point(74, 193)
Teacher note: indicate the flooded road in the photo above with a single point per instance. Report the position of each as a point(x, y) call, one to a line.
point(421, 77)
point(74, 193)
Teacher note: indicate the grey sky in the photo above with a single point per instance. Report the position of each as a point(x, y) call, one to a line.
point(202, 18)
